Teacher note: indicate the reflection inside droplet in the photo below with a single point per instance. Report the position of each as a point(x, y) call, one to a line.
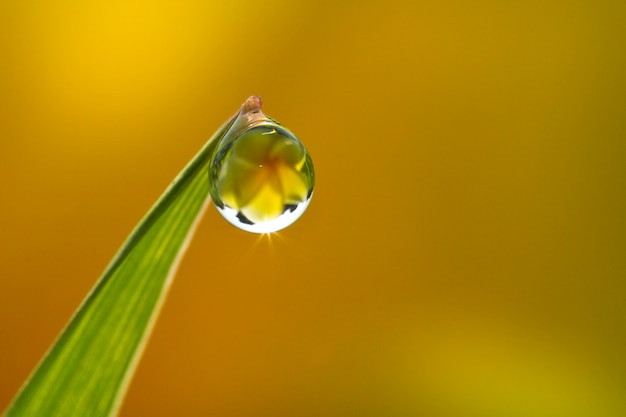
point(262, 179)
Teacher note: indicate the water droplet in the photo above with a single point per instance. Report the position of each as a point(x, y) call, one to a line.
point(261, 176)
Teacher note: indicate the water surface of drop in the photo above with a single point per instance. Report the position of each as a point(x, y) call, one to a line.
point(261, 177)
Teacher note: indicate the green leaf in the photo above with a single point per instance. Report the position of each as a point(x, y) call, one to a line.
point(88, 369)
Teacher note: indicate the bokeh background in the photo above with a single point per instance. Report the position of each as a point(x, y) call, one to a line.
point(463, 255)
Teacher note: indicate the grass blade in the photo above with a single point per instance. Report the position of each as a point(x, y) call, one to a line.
point(88, 369)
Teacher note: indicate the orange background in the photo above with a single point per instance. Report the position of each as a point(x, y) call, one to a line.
point(464, 250)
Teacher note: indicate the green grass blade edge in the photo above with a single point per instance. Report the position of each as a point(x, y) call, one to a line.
point(87, 370)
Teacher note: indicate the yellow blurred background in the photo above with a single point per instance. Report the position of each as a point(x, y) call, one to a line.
point(463, 254)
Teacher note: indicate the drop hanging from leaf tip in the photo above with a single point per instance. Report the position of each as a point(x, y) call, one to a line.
point(261, 176)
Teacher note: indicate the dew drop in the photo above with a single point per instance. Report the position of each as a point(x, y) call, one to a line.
point(261, 177)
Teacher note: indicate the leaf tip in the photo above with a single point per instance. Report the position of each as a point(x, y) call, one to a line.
point(252, 105)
